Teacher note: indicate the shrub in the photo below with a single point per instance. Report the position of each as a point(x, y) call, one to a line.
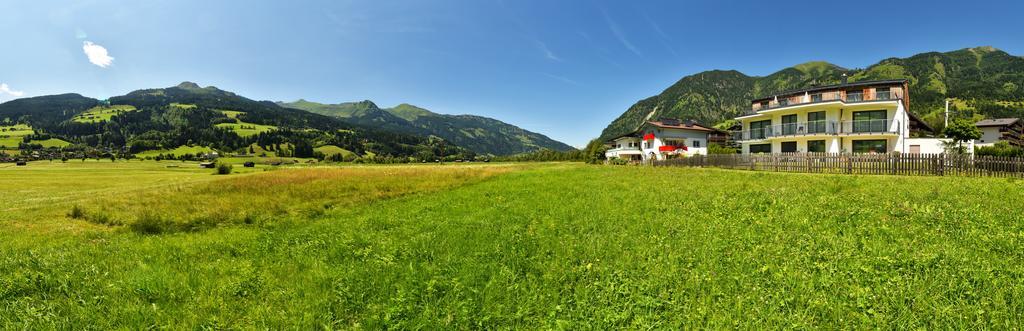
point(715, 148)
point(76, 212)
point(618, 161)
point(1002, 149)
point(150, 223)
point(224, 169)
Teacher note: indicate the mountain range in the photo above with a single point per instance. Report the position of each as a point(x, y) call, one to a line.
point(191, 115)
point(480, 134)
point(982, 82)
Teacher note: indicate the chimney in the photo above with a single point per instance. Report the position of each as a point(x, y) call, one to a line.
point(844, 79)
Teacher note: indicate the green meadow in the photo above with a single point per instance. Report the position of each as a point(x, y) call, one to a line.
point(243, 129)
point(141, 245)
point(102, 113)
point(177, 151)
point(12, 136)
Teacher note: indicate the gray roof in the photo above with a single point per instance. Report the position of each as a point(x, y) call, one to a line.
point(997, 122)
point(832, 87)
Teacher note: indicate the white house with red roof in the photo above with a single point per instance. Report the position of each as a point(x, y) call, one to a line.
point(660, 140)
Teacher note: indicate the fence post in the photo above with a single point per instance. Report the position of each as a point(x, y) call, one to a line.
point(942, 164)
point(849, 164)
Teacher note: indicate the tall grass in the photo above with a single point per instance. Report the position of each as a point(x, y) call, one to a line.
point(271, 196)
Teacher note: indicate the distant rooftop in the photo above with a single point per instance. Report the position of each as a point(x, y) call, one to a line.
point(997, 122)
point(677, 124)
point(832, 87)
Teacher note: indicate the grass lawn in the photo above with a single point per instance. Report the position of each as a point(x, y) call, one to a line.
point(183, 105)
point(331, 150)
point(52, 142)
point(243, 129)
point(102, 113)
point(178, 151)
point(532, 246)
point(11, 136)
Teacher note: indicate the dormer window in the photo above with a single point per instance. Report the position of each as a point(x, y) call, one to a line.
point(855, 95)
point(882, 93)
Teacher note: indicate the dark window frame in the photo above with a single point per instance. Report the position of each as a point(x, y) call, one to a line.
point(789, 124)
point(871, 123)
point(760, 148)
point(854, 144)
point(816, 125)
point(784, 149)
point(759, 129)
point(824, 146)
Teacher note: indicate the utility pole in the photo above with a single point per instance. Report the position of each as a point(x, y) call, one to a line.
point(946, 114)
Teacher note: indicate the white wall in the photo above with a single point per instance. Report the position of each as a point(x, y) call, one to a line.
point(934, 145)
point(662, 134)
point(989, 135)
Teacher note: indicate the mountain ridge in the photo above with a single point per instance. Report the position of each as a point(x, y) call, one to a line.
point(478, 133)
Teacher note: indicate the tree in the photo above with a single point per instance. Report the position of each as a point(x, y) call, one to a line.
point(962, 130)
point(594, 152)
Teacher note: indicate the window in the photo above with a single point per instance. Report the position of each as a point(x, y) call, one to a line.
point(789, 124)
point(816, 146)
point(759, 129)
point(869, 146)
point(696, 143)
point(855, 95)
point(760, 148)
point(869, 121)
point(789, 147)
point(673, 142)
point(764, 105)
point(816, 97)
point(816, 122)
point(882, 93)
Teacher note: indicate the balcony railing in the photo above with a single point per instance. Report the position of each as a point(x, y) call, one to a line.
point(814, 128)
point(867, 126)
point(847, 96)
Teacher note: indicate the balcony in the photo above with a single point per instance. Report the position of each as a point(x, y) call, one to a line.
point(815, 128)
point(867, 127)
point(624, 149)
point(670, 148)
point(844, 96)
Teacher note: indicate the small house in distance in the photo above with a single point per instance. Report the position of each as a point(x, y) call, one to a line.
point(662, 139)
point(207, 165)
point(1010, 130)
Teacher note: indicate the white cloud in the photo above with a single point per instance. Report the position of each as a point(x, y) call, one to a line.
point(97, 54)
point(547, 51)
point(4, 89)
point(619, 34)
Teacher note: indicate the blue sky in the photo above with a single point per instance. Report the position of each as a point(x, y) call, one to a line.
point(561, 68)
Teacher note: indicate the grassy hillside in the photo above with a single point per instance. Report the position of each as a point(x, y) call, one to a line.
point(990, 81)
point(369, 247)
point(479, 134)
point(242, 128)
point(102, 113)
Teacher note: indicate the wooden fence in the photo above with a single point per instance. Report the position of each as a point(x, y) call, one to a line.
point(872, 164)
